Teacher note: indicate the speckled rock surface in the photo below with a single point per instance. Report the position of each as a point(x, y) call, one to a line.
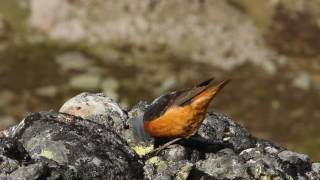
point(242, 157)
point(66, 146)
point(51, 145)
point(96, 107)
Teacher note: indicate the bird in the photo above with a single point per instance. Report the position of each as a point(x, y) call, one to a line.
point(177, 115)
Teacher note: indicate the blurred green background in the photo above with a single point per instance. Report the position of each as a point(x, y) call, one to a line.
point(137, 49)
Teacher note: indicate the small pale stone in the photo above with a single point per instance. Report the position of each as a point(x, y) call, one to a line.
point(271, 150)
point(316, 167)
point(87, 105)
point(293, 157)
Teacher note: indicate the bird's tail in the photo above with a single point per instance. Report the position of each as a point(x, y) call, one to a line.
point(213, 89)
point(204, 98)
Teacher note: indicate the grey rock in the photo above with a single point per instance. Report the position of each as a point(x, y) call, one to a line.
point(227, 151)
point(158, 168)
point(87, 104)
point(175, 153)
point(13, 149)
point(250, 153)
point(8, 165)
point(98, 108)
point(271, 150)
point(294, 158)
point(298, 164)
point(222, 167)
point(219, 127)
point(58, 145)
point(33, 171)
point(315, 173)
point(12, 156)
point(316, 167)
point(269, 147)
point(242, 156)
point(91, 150)
point(269, 166)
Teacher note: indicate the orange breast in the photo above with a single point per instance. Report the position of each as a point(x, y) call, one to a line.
point(176, 122)
point(183, 121)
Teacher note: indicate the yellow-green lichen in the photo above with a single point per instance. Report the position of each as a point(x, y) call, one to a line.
point(289, 177)
point(46, 153)
point(154, 160)
point(265, 178)
point(183, 173)
point(143, 150)
point(160, 164)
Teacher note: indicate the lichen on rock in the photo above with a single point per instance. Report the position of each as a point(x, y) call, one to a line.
point(56, 145)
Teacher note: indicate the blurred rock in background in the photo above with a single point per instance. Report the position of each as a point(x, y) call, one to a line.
point(136, 50)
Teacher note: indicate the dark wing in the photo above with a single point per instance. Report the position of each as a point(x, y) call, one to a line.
point(158, 106)
point(176, 98)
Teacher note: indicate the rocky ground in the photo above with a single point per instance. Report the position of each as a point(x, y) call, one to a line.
point(133, 50)
point(98, 143)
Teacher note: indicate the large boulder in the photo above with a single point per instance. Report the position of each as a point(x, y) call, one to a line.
point(98, 143)
point(53, 145)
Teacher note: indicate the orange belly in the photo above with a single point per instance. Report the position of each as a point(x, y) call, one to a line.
point(176, 122)
point(183, 121)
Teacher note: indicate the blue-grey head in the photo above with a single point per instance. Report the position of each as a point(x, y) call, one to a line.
point(139, 132)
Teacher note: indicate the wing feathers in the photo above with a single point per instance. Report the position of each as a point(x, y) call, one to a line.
point(176, 98)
